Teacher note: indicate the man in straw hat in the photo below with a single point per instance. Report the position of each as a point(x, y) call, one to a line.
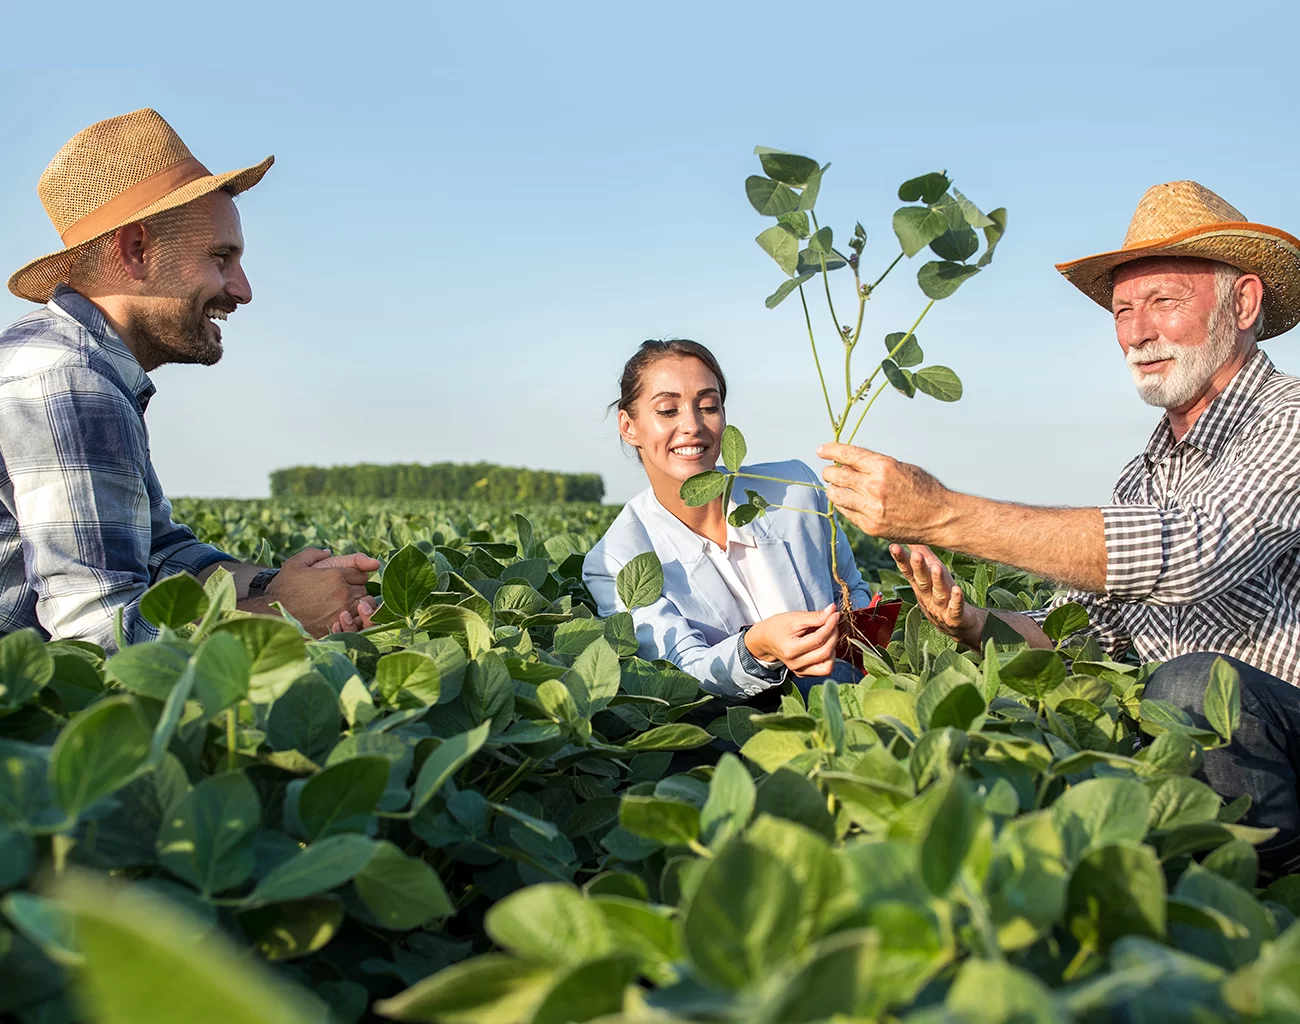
point(150, 263)
point(1198, 553)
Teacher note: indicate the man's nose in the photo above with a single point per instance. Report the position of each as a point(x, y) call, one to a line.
point(238, 288)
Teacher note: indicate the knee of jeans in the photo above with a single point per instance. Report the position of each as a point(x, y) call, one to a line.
point(1181, 680)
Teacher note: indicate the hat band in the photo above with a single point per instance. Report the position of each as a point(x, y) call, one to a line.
point(142, 194)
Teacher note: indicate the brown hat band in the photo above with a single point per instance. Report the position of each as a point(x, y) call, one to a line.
point(142, 194)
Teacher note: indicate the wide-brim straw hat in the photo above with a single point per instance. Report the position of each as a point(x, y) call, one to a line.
point(114, 173)
point(1182, 218)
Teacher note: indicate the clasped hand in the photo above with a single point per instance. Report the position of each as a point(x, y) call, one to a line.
point(325, 592)
point(803, 641)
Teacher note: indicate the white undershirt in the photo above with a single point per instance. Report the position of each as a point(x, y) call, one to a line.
point(748, 575)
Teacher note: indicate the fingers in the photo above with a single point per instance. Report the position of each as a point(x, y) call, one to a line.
point(956, 604)
point(848, 455)
point(819, 660)
point(308, 556)
point(356, 561)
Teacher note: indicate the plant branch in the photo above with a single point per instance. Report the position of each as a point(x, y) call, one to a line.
point(872, 288)
point(779, 480)
point(816, 358)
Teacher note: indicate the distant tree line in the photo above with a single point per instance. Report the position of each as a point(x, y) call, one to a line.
point(442, 480)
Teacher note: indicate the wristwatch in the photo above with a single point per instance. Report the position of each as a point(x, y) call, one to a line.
point(261, 581)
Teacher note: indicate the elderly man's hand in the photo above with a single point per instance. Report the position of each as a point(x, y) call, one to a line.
point(882, 496)
point(940, 599)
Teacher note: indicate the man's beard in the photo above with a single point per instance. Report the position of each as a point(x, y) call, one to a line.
point(1193, 366)
point(177, 335)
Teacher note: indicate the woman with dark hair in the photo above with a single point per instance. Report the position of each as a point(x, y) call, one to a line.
point(742, 608)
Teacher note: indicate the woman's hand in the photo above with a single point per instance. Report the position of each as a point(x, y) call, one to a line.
point(804, 641)
point(940, 600)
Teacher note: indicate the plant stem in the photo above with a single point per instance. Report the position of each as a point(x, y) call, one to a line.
point(505, 789)
point(808, 511)
point(816, 358)
point(980, 918)
point(873, 287)
point(778, 480)
point(230, 739)
point(699, 849)
point(867, 409)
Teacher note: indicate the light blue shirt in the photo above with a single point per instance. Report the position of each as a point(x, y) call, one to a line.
point(697, 622)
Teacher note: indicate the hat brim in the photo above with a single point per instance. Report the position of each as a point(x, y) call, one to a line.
point(1268, 252)
point(37, 280)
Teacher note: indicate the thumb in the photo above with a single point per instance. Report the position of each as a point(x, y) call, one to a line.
point(847, 455)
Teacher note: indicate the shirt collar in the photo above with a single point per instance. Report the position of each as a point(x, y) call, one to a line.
point(1220, 421)
point(72, 304)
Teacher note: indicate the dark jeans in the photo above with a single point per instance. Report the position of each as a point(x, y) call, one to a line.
point(1263, 758)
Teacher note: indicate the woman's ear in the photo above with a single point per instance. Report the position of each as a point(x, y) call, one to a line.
point(627, 428)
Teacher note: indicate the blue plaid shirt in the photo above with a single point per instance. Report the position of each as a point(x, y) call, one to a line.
point(85, 528)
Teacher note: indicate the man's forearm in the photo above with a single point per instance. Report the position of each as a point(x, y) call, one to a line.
point(243, 573)
point(1022, 624)
point(1067, 545)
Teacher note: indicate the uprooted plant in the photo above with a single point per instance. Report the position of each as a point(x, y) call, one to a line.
point(940, 218)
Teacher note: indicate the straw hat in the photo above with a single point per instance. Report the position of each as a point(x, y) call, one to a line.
point(1182, 218)
point(114, 173)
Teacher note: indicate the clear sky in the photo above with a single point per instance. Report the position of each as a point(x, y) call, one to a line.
point(477, 213)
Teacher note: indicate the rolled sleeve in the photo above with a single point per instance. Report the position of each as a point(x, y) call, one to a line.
point(1135, 550)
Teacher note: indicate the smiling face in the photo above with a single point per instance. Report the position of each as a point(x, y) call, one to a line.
point(1177, 326)
point(676, 422)
point(193, 280)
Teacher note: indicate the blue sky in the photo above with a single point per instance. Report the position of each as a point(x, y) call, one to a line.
point(477, 214)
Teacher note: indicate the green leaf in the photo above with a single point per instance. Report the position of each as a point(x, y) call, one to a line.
point(408, 679)
point(928, 188)
point(306, 718)
point(98, 752)
point(901, 379)
point(593, 679)
point(641, 580)
point(1064, 621)
point(1116, 890)
point(743, 515)
point(957, 244)
point(991, 992)
point(992, 235)
point(785, 288)
point(489, 692)
point(276, 654)
point(322, 866)
point(25, 667)
point(588, 990)
point(401, 892)
point(838, 980)
point(150, 670)
point(408, 579)
point(822, 243)
point(940, 279)
point(221, 673)
point(174, 601)
point(788, 168)
point(938, 382)
point(918, 226)
point(949, 837)
point(290, 931)
point(1176, 801)
point(741, 915)
point(958, 708)
point(620, 634)
point(730, 803)
point(909, 354)
point(1223, 699)
point(702, 488)
point(1035, 673)
point(343, 798)
point(733, 448)
point(678, 736)
point(812, 189)
point(45, 923)
point(445, 761)
point(489, 989)
point(770, 198)
point(207, 836)
point(788, 795)
point(549, 924)
point(142, 963)
point(1100, 811)
point(796, 222)
point(782, 244)
point(671, 822)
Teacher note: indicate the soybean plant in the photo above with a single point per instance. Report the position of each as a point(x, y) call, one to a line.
point(940, 218)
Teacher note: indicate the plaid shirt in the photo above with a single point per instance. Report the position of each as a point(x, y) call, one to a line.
point(1203, 537)
point(84, 525)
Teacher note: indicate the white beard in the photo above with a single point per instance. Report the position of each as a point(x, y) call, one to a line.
point(1193, 365)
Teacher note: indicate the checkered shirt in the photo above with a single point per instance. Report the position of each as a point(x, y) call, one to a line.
point(1203, 536)
point(84, 526)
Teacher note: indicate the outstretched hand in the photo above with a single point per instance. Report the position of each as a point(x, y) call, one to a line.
point(940, 599)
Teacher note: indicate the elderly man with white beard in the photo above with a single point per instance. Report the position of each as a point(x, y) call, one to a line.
point(1198, 554)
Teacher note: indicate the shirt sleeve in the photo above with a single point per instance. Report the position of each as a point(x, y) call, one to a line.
point(77, 457)
point(726, 669)
point(1212, 537)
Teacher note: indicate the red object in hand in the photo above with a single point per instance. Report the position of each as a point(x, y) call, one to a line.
point(874, 624)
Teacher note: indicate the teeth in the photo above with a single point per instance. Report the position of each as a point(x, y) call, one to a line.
point(690, 450)
point(217, 314)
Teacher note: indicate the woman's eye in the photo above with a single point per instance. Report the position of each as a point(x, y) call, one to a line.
point(666, 412)
point(710, 409)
